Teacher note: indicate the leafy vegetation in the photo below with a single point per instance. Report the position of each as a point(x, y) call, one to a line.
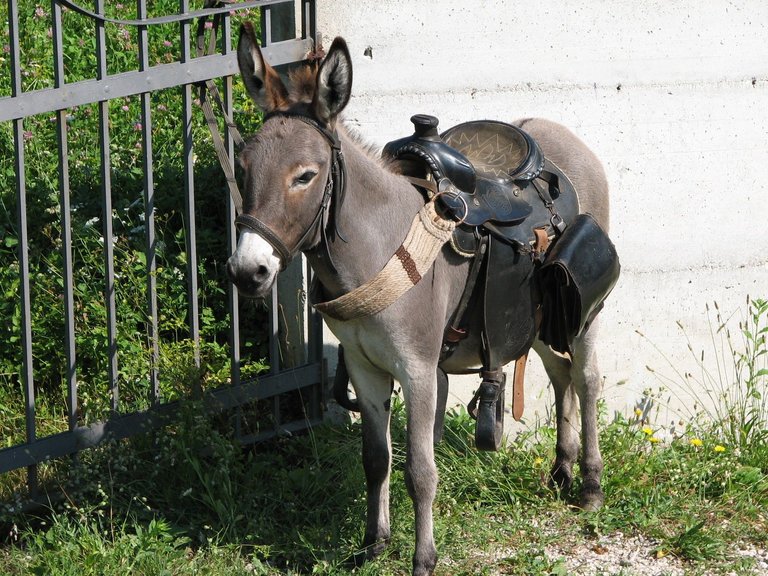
point(129, 223)
point(186, 500)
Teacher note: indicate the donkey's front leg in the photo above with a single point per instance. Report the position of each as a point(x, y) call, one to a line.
point(374, 390)
point(420, 470)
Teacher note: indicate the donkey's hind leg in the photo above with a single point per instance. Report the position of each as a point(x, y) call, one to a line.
point(589, 386)
point(558, 369)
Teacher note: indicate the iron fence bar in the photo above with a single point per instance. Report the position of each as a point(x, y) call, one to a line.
point(308, 20)
point(149, 213)
point(125, 426)
point(66, 224)
point(274, 348)
point(232, 295)
point(106, 217)
point(171, 18)
point(27, 371)
point(189, 196)
point(126, 84)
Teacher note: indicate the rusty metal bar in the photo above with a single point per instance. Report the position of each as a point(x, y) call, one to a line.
point(149, 213)
point(66, 224)
point(193, 318)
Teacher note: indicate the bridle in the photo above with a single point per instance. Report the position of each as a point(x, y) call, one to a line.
point(333, 195)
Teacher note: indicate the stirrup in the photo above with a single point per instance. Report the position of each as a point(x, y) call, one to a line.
point(487, 407)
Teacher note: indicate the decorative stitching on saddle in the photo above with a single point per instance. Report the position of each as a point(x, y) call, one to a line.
point(408, 264)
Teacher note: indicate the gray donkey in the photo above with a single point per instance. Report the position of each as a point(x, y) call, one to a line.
point(292, 204)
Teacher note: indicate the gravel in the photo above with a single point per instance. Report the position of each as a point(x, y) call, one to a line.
point(620, 554)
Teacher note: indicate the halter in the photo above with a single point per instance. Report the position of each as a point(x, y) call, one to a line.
point(333, 193)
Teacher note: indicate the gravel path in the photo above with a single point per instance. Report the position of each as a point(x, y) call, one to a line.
point(619, 554)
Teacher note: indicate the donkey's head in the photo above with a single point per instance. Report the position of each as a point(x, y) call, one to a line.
point(288, 163)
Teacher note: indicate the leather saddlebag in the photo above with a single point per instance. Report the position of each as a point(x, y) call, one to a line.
point(579, 272)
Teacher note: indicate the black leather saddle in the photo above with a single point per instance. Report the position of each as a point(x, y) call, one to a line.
point(474, 182)
point(487, 174)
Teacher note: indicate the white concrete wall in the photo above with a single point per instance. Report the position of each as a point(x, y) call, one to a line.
point(671, 94)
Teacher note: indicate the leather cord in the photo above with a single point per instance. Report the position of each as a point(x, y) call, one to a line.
point(229, 5)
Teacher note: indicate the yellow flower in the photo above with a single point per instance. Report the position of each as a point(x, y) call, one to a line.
point(696, 442)
point(653, 440)
point(638, 412)
point(719, 448)
point(538, 461)
point(647, 430)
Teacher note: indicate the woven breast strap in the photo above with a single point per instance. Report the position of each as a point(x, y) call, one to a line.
point(411, 261)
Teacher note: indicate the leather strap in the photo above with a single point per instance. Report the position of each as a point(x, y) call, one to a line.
point(518, 388)
point(256, 225)
point(228, 6)
point(210, 87)
point(541, 243)
point(454, 333)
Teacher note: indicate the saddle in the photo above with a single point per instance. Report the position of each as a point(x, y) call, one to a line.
point(513, 207)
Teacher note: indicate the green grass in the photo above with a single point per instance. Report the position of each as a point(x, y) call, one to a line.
point(188, 501)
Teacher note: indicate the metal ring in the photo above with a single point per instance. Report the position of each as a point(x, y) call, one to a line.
point(466, 206)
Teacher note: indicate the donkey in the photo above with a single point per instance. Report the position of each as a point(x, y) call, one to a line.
point(288, 170)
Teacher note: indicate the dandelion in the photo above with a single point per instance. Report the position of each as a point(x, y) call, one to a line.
point(538, 461)
point(638, 412)
point(647, 430)
point(696, 442)
point(653, 440)
point(719, 448)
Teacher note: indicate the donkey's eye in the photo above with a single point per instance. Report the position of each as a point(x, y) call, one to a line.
point(305, 178)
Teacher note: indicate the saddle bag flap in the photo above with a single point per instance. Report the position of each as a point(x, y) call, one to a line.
point(579, 272)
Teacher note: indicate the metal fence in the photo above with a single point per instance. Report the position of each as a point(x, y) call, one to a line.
point(306, 372)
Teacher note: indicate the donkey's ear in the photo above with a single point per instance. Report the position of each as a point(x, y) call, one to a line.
point(261, 80)
point(334, 82)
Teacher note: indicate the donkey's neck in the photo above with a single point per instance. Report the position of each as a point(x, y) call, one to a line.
point(374, 220)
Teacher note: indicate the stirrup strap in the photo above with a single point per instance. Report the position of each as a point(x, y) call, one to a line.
point(518, 388)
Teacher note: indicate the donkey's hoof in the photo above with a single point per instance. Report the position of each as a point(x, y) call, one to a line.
point(561, 478)
point(425, 566)
point(592, 497)
point(369, 551)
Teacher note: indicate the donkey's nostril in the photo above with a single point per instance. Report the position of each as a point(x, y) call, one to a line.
point(262, 271)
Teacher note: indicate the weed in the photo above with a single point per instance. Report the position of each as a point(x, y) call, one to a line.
point(730, 388)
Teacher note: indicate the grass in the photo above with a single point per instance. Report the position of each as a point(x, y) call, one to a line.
point(188, 501)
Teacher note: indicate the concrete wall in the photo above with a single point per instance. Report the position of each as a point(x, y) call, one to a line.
point(671, 95)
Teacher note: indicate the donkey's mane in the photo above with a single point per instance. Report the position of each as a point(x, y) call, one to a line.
point(302, 82)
